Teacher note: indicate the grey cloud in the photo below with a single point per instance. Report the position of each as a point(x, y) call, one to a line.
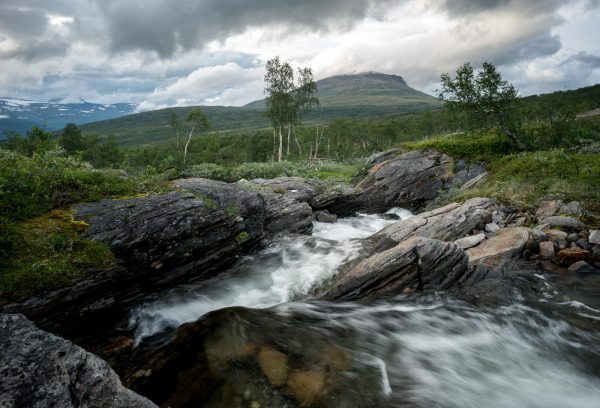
point(166, 27)
point(458, 8)
point(592, 61)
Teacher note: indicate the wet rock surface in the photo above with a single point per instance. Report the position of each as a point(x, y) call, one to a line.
point(415, 264)
point(265, 352)
point(38, 369)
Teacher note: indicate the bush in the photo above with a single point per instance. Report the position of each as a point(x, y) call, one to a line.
point(30, 186)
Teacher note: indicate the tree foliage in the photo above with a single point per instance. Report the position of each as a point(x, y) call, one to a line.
point(484, 98)
point(287, 100)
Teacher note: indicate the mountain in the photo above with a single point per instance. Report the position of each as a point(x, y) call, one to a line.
point(362, 95)
point(19, 115)
point(372, 91)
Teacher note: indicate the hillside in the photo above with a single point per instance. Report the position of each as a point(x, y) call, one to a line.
point(20, 115)
point(363, 95)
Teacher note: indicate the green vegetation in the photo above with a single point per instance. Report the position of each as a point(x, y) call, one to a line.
point(42, 251)
point(248, 171)
point(471, 146)
point(522, 178)
point(50, 254)
point(42, 174)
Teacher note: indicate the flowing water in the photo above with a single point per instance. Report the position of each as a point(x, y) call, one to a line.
point(407, 351)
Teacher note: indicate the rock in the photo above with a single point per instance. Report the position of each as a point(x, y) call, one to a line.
point(470, 241)
point(573, 237)
point(307, 386)
point(43, 370)
point(239, 354)
point(505, 244)
point(583, 243)
point(274, 365)
point(564, 222)
point(539, 235)
point(572, 255)
point(325, 216)
point(473, 182)
point(447, 223)
point(556, 235)
point(180, 230)
point(492, 227)
point(381, 157)
point(547, 250)
point(410, 180)
point(498, 216)
point(596, 252)
point(594, 237)
point(520, 222)
point(582, 267)
point(414, 264)
point(548, 208)
point(572, 208)
point(284, 201)
point(285, 213)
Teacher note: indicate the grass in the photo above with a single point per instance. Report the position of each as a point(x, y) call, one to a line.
point(342, 172)
point(521, 179)
point(50, 253)
point(471, 146)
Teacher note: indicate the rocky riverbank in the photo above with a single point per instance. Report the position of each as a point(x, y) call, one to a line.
point(477, 251)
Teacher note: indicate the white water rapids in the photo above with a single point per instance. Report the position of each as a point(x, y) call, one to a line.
point(289, 267)
point(431, 352)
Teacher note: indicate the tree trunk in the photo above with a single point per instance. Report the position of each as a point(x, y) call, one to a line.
point(185, 150)
point(288, 143)
point(297, 144)
point(274, 144)
point(514, 140)
point(280, 152)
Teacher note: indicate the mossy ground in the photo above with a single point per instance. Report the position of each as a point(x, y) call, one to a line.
point(50, 253)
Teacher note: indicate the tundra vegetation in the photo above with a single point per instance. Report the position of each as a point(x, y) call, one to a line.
point(531, 146)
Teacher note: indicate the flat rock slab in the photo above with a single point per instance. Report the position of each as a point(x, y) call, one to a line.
point(564, 222)
point(447, 223)
point(506, 243)
point(39, 369)
point(470, 241)
point(415, 264)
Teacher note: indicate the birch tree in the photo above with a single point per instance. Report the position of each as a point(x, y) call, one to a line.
point(287, 100)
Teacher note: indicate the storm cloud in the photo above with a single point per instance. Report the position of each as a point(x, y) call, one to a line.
point(165, 27)
point(159, 53)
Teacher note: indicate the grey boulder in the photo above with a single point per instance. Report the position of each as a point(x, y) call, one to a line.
point(38, 369)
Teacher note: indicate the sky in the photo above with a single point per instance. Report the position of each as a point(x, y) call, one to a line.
point(159, 53)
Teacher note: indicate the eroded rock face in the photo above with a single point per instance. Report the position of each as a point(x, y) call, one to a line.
point(410, 180)
point(506, 243)
point(448, 223)
point(414, 264)
point(38, 369)
point(179, 232)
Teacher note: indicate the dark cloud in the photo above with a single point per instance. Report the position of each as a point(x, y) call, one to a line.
point(165, 27)
point(583, 58)
point(457, 8)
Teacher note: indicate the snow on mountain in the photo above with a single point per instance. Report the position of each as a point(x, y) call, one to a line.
point(19, 115)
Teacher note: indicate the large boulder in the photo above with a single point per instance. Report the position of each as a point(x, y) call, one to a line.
point(505, 244)
point(410, 180)
point(38, 369)
point(258, 358)
point(448, 223)
point(414, 264)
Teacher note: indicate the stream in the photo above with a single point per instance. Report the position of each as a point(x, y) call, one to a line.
point(427, 351)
